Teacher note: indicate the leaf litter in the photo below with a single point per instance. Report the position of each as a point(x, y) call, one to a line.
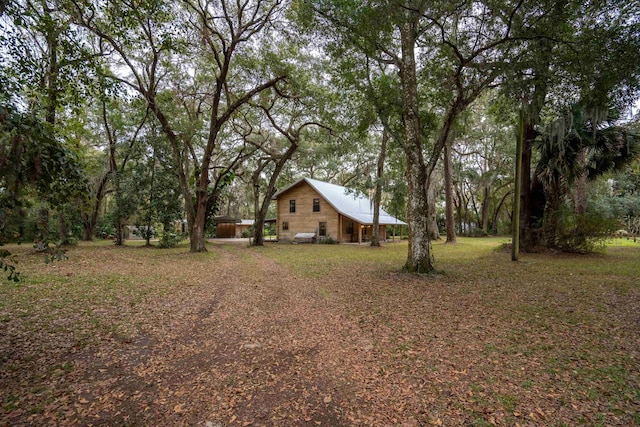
point(239, 337)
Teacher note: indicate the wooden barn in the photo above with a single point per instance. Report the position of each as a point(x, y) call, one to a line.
point(327, 210)
point(229, 227)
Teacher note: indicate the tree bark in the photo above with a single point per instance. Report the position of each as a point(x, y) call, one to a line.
point(89, 221)
point(526, 238)
point(87, 228)
point(484, 209)
point(528, 235)
point(580, 195)
point(551, 216)
point(42, 238)
point(62, 227)
point(515, 242)
point(375, 237)
point(119, 233)
point(190, 206)
point(419, 251)
point(432, 222)
point(197, 235)
point(448, 193)
point(151, 200)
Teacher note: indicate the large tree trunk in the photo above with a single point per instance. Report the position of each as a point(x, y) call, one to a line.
point(580, 194)
point(258, 222)
point(62, 227)
point(261, 214)
point(419, 252)
point(484, 209)
point(529, 237)
point(197, 236)
point(432, 222)
point(515, 241)
point(375, 237)
point(119, 233)
point(190, 207)
point(448, 194)
point(459, 210)
point(526, 239)
point(52, 76)
point(42, 238)
point(551, 216)
point(89, 221)
point(87, 228)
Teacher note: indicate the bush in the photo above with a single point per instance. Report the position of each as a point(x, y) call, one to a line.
point(583, 233)
point(328, 240)
point(144, 232)
point(170, 240)
point(105, 230)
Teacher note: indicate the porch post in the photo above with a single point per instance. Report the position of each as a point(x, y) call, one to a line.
point(360, 226)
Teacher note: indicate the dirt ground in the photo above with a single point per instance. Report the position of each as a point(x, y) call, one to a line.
point(241, 338)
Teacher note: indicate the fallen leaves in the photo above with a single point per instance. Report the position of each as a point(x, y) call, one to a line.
point(249, 343)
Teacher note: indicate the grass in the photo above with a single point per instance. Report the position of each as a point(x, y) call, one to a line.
point(549, 339)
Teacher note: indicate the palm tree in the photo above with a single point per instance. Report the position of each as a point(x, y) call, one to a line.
point(579, 147)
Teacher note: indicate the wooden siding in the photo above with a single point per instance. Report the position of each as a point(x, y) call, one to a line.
point(304, 220)
point(225, 231)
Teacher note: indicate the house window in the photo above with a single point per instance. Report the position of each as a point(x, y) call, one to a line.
point(316, 205)
point(322, 229)
point(292, 206)
point(285, 225)
point(350, 227)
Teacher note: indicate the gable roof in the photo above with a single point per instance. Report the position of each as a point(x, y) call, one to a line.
point(348, 202)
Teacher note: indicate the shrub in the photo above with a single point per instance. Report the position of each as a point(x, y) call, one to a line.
point(328, 240)
point(144, 232)
point(105, 230)
point(170, 240)
point(583, 233)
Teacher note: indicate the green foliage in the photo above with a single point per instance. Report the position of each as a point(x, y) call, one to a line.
point(328, 240)
point(618, 196)
point(7, 264)
point(170, 240)
point(585, 233)
point(127, 196)
point(214, 206)
point(55, 253)
point(587, 143)
point(105, 229)
point(144, 232)
point(30, 155)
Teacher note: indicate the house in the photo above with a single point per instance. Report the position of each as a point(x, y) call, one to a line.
point(327, 210)
point(229, 227)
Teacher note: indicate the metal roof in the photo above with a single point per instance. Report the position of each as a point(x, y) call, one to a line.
point(348, 202)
